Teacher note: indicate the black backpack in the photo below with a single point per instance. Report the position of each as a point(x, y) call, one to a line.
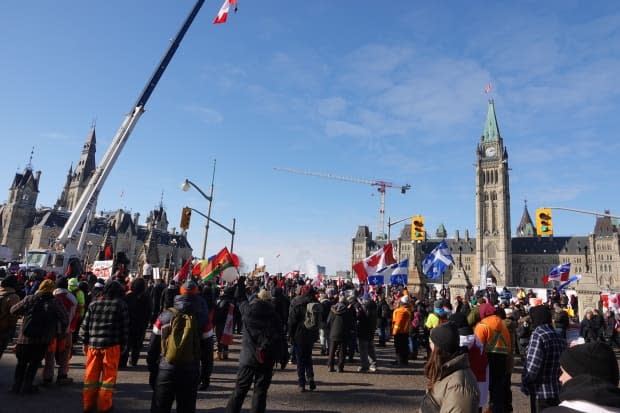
point(41, 320)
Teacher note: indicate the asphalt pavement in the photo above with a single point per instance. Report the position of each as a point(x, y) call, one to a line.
point(390, 389)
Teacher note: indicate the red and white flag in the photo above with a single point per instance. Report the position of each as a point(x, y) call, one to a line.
point(222, 15)
point(488, 87)
point(378, 260)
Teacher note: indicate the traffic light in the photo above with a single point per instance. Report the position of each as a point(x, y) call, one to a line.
point(544, 225)
point(418, 233)
point(186, 215)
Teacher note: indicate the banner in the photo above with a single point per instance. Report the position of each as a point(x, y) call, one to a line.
point(103, 269)
point(227, 334)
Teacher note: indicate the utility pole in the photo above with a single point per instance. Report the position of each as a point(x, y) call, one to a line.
point(204, 244)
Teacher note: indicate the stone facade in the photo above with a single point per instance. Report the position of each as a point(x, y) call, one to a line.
point(519, 261)
point(24, 226)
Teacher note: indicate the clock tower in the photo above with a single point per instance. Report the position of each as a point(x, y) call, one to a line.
point(493, 237)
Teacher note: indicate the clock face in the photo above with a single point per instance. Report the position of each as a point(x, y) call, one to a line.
point(490, 151)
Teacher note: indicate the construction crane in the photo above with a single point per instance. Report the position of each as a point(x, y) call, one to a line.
point(380, 184)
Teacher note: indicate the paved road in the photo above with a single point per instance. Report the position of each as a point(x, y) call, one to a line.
point(390, 389)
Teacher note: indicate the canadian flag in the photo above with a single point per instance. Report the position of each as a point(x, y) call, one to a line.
point(378, 260)
point(222, 15)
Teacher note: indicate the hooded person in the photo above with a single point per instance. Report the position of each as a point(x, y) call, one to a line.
point(589, 380)
point(339, 324)
point(451, 384)
point(44, 316)
point(139, 307)
point(59, 350)
point(494, 335)
point(262, 346)
point(303, 337)
point(104, 333)
point(174, 352)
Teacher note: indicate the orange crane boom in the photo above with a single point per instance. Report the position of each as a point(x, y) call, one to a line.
point(380, 184)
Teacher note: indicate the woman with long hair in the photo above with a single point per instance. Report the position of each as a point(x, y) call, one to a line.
point(452, 386)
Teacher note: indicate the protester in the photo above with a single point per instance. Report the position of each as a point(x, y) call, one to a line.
point(542, 362)
point(589, 380)
point(174, 352)
point(104, 333)
point(492, 332)
point(222, 308)
point(339, 323)
point(366, 322)
point(401, 323)
point(303, 337)
point(263, 345)
point(452, 386)
point(44, 316)
point(8, 321)
point(139, 308)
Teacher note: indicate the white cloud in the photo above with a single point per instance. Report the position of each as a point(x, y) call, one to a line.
point(206, 114)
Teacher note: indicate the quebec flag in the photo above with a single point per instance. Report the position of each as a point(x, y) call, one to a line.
point(437, 261)
point(397, 272)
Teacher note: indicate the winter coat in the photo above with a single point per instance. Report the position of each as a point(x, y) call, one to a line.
point(401, 320)
point(139, 307)
point(457, 390)
point(188, 304)
point(221, 310)
point(258, 317)
point(492, 332)
point(297, 314)
point(106, 323)
point(585, 393)
point(23, 308)
point(339, 323)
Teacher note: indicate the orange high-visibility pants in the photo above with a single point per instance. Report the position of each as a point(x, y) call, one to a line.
point(100, 377)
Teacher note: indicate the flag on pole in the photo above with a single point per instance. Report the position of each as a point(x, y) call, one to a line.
point(222, 15)
point(437, 261)
point(488, 88)
point(559, 273)
point(397, 272)
point(376, 280)
point(222, 260)
point(378, 260)
point(184, 271)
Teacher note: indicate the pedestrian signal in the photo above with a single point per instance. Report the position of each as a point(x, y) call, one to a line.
point(418, 233)
point(544, 225)
point(186, 215)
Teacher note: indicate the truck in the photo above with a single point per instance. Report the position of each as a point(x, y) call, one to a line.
point(68, 245)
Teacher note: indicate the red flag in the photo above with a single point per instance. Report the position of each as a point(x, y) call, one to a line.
point(488, 87)
point(222, 15)
point(184, 271)
point(378, 260)
point(227, 334)
point(219, 263)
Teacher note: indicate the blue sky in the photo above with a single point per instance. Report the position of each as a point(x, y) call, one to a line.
point(390, 91)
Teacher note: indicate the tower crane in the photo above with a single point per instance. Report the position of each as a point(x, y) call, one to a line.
point(380, 184)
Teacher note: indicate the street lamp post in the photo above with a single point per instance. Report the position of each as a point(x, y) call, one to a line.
point(230, 231)
point(390, 223)
point(185, 187)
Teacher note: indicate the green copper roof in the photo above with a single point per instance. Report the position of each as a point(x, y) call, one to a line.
point(491, 131)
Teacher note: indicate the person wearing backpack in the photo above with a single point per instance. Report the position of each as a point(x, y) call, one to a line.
point(104, 333)
point(8, 322)
point(44, 316)
point(303, 325)
point(263, 345)
point(175, 351)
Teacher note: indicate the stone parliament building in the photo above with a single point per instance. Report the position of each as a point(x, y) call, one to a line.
point(508, 261)
point(23, 225)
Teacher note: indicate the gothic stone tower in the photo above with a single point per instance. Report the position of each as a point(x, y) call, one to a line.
point(493, 238)
point(78, 179)
point(17, 213)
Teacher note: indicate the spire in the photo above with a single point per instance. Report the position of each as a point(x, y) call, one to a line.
point(491, 130)
point(526, 227)
point(86, 165)
point(441, 231)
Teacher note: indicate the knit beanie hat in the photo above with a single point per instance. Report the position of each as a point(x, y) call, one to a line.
point(446, 337)
point(596, 359)
point(264, 295)
point(540, 314)
point(46, 286)
point(61, 282)
point(486, 310)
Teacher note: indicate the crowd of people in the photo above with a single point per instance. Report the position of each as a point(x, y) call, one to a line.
point(469, 344)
